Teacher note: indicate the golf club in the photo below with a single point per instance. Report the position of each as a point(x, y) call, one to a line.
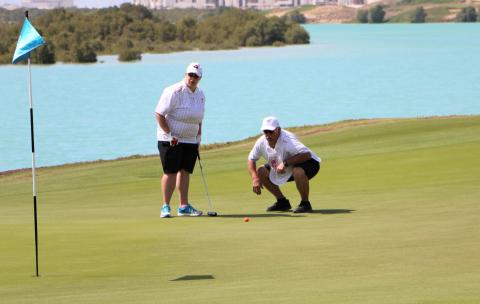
point(210, 212)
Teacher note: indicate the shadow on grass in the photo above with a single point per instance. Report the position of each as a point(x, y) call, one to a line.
point(284, 214)
point(188, 277)
point(333, 211)
point(194, 277)
point(287, 214)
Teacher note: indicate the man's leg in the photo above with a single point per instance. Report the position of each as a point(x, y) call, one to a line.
point(169, 174)
point(303, 187)
point(282, 204)
point(189, 157)
point(274, 189)
point(185, 209)
point(183, 182)
point(301, 180)
point(168, 185)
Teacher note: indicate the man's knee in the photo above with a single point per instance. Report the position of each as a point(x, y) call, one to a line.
point(184, 172)
point(298, 173)
point(262, 172)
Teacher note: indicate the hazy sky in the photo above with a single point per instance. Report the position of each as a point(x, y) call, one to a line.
point(80, 3)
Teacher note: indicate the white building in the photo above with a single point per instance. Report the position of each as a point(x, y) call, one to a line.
point(205, 4)
point(47, 4)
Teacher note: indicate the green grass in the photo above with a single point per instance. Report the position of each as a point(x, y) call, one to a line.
point(396, 221)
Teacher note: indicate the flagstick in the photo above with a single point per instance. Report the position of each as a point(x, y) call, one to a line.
point(33, 163)
point(29, 40)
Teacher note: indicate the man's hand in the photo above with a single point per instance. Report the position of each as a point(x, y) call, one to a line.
point(199, 139)
point(280, 168)
point(172, 139)
point(257, 186)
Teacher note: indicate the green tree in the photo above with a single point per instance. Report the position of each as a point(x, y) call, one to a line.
point(362, 16)
point(186, 29)
point(136, 12)
point(129, 55)
point(165, 31)
point(419, 15)
point(44, 54)
point(83, 53)
point(297, 35)
point(9, 33)
point(212, 31)
point(79, 35)
point(251, 34)
point(467, 14)
point(127, 52)
point(274, 30)
point(295, 17)
point(377, 13)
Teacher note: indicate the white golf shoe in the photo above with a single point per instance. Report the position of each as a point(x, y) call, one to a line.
point(188, 210)
point(165, 211)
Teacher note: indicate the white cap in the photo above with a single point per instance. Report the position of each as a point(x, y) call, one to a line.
point(270, 123)
point(195, 68)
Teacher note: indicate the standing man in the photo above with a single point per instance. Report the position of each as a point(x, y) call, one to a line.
point(287, 160)
point(179, 114)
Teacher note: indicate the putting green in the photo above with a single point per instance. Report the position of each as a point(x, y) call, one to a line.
point(397, 206)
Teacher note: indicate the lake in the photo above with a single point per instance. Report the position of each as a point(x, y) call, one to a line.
point(106, 110)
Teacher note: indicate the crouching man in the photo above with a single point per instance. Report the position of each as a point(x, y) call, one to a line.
point(287, 160)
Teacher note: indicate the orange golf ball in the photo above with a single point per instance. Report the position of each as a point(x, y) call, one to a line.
point(246, 219)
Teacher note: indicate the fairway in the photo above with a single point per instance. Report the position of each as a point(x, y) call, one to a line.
point(396, 220)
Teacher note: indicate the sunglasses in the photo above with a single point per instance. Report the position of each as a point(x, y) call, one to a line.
point(268, 131)
point(193, 75)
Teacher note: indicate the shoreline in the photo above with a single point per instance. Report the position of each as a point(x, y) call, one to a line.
point(299, 130)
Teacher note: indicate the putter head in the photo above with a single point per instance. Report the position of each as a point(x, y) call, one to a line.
point(211, 213)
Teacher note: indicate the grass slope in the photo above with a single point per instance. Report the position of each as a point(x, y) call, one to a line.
point(396, 221)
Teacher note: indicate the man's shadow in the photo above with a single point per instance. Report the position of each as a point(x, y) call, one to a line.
point(280, 214)
point(333, 211)
point(287, 213)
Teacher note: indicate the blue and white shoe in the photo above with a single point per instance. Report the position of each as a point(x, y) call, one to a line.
point(165, 211)
point(188, 210)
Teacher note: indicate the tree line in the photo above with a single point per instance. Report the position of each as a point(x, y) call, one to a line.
point(376, 14)
point(130, 30)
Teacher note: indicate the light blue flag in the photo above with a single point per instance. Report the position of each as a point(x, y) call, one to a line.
point(29, 40)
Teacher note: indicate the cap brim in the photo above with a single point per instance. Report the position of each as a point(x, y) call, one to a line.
point(193, 72)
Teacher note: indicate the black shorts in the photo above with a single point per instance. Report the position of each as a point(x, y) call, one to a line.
point(311, 168)
point(180, 157)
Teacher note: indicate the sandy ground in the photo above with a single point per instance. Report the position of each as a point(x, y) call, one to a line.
point(324, 14)
point(330, 14)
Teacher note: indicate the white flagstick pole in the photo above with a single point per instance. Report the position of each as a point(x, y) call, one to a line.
point(33, 160)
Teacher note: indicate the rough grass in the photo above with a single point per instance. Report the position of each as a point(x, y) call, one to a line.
point(396, 221)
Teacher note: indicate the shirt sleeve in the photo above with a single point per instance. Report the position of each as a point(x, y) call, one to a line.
point(293, 146)
point(167, 102)
point(256, 151)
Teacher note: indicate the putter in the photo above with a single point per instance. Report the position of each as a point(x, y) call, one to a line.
point(210, 212)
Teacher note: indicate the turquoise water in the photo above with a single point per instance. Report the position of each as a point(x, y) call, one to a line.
point(105, 110)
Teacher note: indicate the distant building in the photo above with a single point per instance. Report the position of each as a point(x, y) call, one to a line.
point(47, 4)
point(210, 4)
point(8, 6)
point(354, 3)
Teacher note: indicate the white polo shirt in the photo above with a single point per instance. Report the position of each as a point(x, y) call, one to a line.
point(183, 110)
point(287, 146)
